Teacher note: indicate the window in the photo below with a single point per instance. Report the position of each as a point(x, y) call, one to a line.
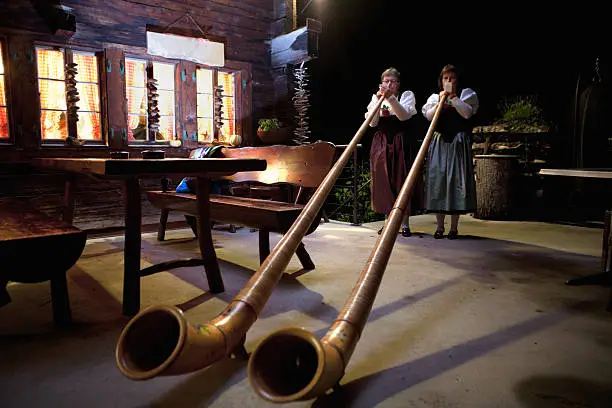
point(68, 83)
point(4, 128)
point(216, 105)
point(150, 95)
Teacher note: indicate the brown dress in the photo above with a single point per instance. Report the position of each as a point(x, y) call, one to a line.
point(387, 164)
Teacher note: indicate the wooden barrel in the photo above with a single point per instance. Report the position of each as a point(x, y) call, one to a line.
point(496, 175)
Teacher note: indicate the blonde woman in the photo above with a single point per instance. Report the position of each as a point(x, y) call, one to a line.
point(389, 146)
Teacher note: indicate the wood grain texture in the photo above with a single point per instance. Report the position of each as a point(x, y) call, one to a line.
point(18, 221)
point(33, 246)
point(116, 28)
point(118, 168)
point(305, 165)
point(590, 173)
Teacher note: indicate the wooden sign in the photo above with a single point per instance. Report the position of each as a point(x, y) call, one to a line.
point(197, 50)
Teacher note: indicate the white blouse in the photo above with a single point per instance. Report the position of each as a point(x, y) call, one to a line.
point(466, 105)
point(404, 109)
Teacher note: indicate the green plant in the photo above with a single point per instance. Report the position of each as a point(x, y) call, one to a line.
point(269, 124)
point(346, 201)
point(521, 114)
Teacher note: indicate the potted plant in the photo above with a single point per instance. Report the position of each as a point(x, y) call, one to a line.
point(271, 131)
point(500, 148)
point(519, 116)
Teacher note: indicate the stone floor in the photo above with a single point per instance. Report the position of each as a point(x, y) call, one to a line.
point(483, 321)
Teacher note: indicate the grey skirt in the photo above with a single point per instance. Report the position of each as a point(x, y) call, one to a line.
point(449, 183)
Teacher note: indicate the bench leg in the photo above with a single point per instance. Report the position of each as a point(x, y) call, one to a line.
point(264, 245)
point(62, 316)
point(304, 257)
point(240, 351)
point(193, 224)
point(605, 242)
point(207, 248)
point(163, 222)
point(5, 299)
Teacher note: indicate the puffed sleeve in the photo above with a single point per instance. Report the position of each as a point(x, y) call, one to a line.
point(467, 104)
point(371, 106)
point(429, 108)
point(405, 108)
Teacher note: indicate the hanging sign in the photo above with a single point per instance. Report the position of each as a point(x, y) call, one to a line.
point(198, 50)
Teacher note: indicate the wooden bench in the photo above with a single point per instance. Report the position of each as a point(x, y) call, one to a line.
point(303, 167)
point(35, 247)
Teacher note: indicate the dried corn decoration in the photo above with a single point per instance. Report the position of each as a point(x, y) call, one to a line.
point(153, 104)
point(72, 94)
point(219, 112)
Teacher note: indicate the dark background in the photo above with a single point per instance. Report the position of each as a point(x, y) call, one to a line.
point(501, 53)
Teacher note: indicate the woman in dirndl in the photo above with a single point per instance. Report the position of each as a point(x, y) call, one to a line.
point(450, 185)
point(390, 149)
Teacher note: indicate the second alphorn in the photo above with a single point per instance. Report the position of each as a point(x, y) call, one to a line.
point(293, 364)
point(160, 341)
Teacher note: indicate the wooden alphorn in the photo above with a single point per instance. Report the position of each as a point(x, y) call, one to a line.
point(293, 364)
point(160, 341)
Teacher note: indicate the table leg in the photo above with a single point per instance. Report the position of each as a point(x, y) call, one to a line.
point(69, 196)
point(604, 277)
point(131, 251)
point(207, 249)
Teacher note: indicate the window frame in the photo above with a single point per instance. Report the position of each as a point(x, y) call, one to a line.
point(150, 59)
point(68, 52)
point(239, 73)
point(7, 93)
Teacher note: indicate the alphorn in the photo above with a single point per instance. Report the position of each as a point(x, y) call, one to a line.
point(160, 341)
point(292, 364)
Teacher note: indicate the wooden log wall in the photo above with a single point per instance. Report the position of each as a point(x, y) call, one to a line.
point(244, 26)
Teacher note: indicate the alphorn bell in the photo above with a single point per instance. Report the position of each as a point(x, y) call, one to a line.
point(293, 364)
point(160, 341)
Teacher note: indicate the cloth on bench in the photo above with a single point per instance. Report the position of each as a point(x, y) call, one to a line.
point(187, 185)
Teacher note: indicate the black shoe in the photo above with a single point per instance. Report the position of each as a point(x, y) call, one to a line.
point(380, 230)
point(439, 235)
point(453, 235)
point(406, 232)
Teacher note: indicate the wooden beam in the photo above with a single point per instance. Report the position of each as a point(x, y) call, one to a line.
point(59, 19)
point(294, 47)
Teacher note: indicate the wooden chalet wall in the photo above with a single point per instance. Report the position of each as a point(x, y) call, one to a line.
point(111, 26)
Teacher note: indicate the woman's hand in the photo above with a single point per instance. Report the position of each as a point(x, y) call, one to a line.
point(383, 91)
point(448, 94)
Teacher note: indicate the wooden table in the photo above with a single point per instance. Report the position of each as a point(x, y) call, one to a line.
point(604, 277)
point(129, 171)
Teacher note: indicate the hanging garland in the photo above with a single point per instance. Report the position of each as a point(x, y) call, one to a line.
point(218, 106)
point(301, 134)
point(153, 102)
point(70, 72)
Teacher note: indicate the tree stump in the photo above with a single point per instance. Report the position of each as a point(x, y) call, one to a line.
point(495, 178)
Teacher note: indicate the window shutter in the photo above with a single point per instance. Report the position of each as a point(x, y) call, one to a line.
point(187, 117)
point(114, 102)
point(24, 95)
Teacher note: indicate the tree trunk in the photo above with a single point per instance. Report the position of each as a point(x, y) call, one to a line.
point(495, 178)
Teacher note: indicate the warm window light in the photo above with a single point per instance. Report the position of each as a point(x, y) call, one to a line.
point(52, 75)
point(4, 131)
point(206, 116)
point(140, 74)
